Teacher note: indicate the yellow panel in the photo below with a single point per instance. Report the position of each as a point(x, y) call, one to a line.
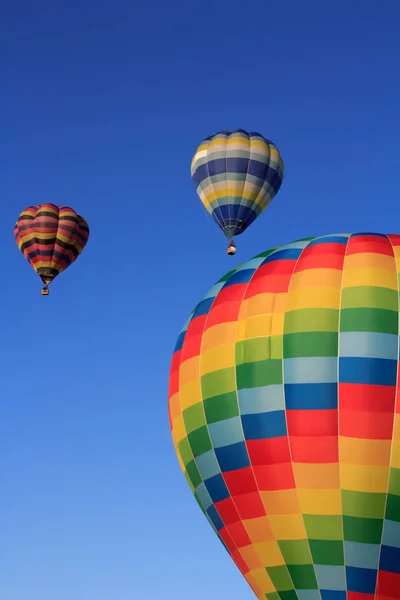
point(281, 502)
point(250, 557)
point(251, 580)
point(215, 359)
point(174, 406)
point(320, 502)
point(356, 451)
point(270, 554)
point(223, 333)
point(396, 427)
point(189, 370)
point(190, 393)
point(314, 297)
point(258, 530)
point(178, 428)
point(369, 260)
point(261, 326)
point(367, 276)
point(364, 479)
point(288, 527)
point(395, 457)
point(316, 277)
point(318, 476)
point(263, 304)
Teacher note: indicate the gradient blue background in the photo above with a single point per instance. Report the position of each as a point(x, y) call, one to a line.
point(102, 106)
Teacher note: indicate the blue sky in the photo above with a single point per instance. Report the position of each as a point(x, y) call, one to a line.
point(102, 106)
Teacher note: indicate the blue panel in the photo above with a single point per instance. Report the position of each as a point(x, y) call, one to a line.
point(390, 559)
point(330, 239)
point(264, 425)
point(318, 369)
point(207, 464)
point(232, 457)
point(225, 433)
point(262, 399)
point(368, 371)
point(203, 308)
point(179, 341)
point(333, 595)
point(289, 254)
point(242, 276)
point(215, 518)
point(216, 488)
point(311, 396)
point(361, 580)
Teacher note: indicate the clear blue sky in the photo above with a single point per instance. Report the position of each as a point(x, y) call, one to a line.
point(102, 106)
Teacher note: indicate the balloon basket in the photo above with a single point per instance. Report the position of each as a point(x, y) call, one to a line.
point(231, 249)
point(45, 291)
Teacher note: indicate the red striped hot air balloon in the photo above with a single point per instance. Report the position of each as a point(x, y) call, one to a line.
point(51, 238)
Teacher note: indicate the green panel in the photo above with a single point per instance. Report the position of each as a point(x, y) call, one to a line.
point(194, 417)
point(363, 504)
point(189, 481)
point(199, 441)
point(327, 552)
point(185, 451)
point(218, 382)
point(365, 531)
point(276, 346)
point(314, 343)
point(288, 595)
point(253, 350)
point(221, 407)
point(193, 473)
point(369, 319)
point(393, 508)
point(199, 502)
point(295, 552)
point(321, 527)
point(280, 577)
point(258, 374)
point(394, 481)
point(311, 319)
point(273, 596)
point(369, 296)
point(303, 577)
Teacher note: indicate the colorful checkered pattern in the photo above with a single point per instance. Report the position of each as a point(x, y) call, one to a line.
point(51, 238)
point(285, 416)
point(236, 175)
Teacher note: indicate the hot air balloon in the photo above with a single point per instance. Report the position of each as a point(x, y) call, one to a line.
point(236, 175)
point(284, 407)
point(50, 237)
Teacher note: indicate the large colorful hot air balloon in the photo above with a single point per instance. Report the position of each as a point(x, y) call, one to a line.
point(285, 414)
point(236, 175)
point(50, 237)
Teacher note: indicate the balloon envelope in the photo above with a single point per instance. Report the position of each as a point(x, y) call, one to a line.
point(285, 415)
point(236, 175)
point(51, 238)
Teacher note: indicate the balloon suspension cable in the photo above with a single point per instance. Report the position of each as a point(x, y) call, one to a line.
point(45, 291)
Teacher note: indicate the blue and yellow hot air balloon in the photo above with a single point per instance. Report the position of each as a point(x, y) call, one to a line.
point(236, 175)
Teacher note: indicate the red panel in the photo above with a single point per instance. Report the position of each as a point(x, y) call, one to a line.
point(388, 585)
point(238, 534)
point(224, 313)
point(249, 506)
point(378, 398)
point(240, 481)
point(320, 261)
point(366, 425)
point(314, 450)
point(369, 243)
point(227, 511)
point(231, 293)
point(310, 423)
point(275, 477)
point(268, 452)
